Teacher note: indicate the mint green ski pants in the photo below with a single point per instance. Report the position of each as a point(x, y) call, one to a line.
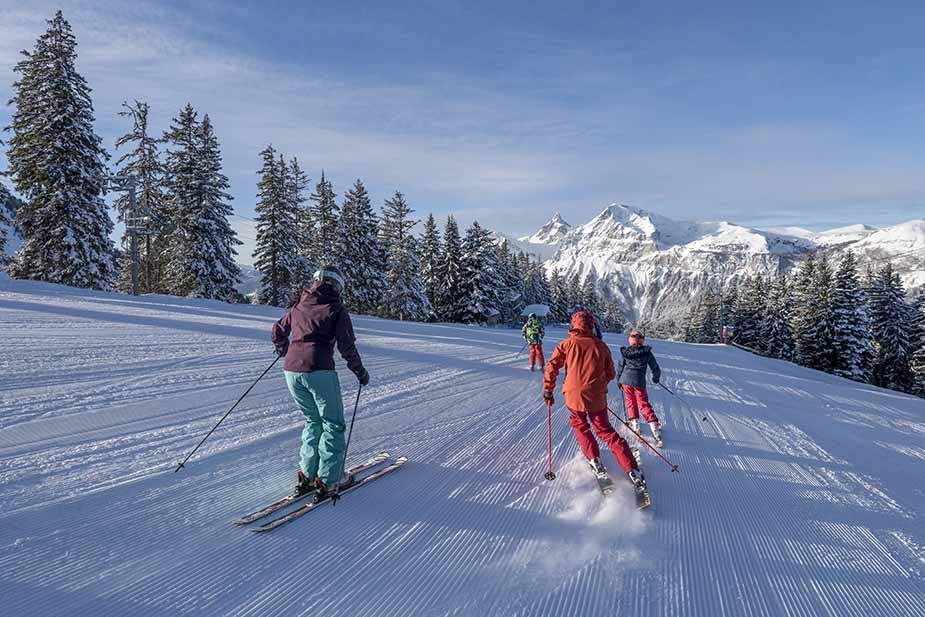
point(318, 396)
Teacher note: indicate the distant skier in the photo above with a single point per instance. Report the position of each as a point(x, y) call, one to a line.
point(589, 368)
point(635, 360)
point(316, 322)
point(534, 332)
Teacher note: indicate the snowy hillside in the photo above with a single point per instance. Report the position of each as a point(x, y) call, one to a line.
point(654, 265)
point(800, 494)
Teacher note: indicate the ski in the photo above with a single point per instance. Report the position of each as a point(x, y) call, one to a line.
point(643, 499)
point(375, 461)
point(305, 509)
point(603, 481)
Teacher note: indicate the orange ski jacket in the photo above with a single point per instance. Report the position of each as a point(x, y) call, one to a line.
point(588, 363)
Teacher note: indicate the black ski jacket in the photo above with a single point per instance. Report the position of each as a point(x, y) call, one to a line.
point(633, 363)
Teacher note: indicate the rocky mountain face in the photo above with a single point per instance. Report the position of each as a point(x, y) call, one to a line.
point(654, 266)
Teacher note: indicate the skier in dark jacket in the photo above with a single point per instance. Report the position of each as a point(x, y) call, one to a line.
point(634, 362)
point(306, 336)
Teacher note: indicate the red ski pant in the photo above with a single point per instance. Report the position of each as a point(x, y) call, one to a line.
point(536, 352)
point(604, 430)
point(637, 399)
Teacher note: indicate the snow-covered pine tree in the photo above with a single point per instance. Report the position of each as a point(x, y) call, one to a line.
point(511, 293)
point(7, 215)
point(749, 313)
point(56, 161)
point(612, 319)
point(431, 255)
point(481, 276)
point(174, 244)
point(803, 313)
point(892, 330)
point(213, 244)
point(728, 300)
point(325, 217)
point(404, 296)
point(708, 327)
point(573, 295)
point(820, 316)
point(558, 300)
point(142, 160)
point(451, 298)
point(359, 252)
point(590, 299)
point(918, 357)
point(778, 337)
point(851, 326)
point(296, 184)
point(277, 239)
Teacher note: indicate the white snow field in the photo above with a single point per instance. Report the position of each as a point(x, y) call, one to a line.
point(800, 494)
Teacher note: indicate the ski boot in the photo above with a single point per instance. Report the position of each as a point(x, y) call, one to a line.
point(597, 467)
point(634, 424)
point(321, 491)
point(304, 486)
point(656, 433)
point(640, 490)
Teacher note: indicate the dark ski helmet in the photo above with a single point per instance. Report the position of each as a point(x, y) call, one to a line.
point(531, 316)
point(330, 274)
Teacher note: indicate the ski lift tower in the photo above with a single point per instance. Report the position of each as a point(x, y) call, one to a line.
point(136, 220)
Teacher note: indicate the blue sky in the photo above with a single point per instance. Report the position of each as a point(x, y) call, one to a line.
point(761, 113)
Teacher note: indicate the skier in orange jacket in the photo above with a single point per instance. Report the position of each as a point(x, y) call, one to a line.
point(589, 368)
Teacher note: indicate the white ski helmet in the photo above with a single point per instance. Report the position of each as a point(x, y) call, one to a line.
point(332, 275)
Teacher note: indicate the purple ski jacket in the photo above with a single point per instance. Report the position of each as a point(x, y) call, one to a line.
point(315, 324)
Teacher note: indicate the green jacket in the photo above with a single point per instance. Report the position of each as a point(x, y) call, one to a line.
point(533, 332)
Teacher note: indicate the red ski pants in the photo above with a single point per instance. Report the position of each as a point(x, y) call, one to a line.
point(637, 399)
point(536, 352)
point(604, 430)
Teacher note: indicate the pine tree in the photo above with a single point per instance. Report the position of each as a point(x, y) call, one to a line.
point(558, 297)
point(778, 337)
point(512, 293)
point(7, 215)
point(404, 296)
point(893, 331)
point(325, 217)
point(573, 295)
point(803, 315)
point(143, 162)
point(612, 319)
point(851, 326)
point(481, 276)
point(819, 329)
point(451, 303)
point(277, 239)
point(590, 300)
point(918, 357)
point(296, 185)
point(749, 313)
point(57, 163)
point(728, 301)
point(708, 327)
point(431, 255)
point(359, 252)
point(174, 245)
point(213, 265)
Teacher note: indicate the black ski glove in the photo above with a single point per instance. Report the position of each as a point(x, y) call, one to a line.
point(548, 397)
point(363, 376)
point(282, 348)
point(656, 377)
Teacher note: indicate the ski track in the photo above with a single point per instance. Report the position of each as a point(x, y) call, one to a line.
point(799, 494)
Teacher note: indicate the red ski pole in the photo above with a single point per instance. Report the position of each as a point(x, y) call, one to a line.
point(651, 447)
point(549, 474)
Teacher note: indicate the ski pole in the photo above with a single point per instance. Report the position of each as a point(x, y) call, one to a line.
point(522, 349)
point(549, 474)
point(188, 456)
point(353, 418)
point(686, 404)
point(642, 439)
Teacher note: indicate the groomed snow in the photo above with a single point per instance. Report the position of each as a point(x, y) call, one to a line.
point(799, 494)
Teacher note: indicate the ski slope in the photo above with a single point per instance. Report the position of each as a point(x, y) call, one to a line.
point(799, 494)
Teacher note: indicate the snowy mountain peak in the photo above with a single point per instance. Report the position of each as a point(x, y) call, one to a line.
point(552, 232)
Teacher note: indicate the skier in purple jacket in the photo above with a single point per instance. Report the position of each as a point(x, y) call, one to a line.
point(306, 336)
